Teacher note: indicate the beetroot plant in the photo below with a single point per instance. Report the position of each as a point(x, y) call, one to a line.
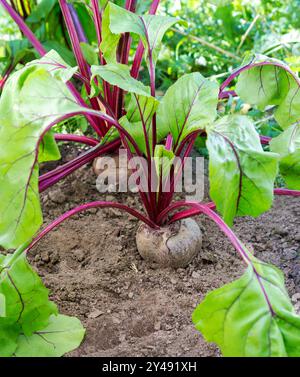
point(252, 316)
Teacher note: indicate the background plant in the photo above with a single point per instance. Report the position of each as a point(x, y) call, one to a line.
point(221, 32)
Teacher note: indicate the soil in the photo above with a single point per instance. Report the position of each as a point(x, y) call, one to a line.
point(128, 306)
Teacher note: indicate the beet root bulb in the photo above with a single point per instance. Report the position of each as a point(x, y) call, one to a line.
point(174, 245)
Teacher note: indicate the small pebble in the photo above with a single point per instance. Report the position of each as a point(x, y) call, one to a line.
point(45, 256)
point(296, 297)
point(95, 314)
point(79, 255)
point(196, 275)
point(57, 196)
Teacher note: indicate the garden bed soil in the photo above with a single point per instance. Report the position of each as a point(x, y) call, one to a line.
point(129, 307)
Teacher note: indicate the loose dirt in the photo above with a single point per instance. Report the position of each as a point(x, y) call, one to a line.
point(129, 307)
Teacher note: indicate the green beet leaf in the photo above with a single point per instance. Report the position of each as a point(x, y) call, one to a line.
point(8, 339)
point(48, 149)
point(26, 299)
point(62, 335)
point(110, 40)
point(272, 84)
point(241, 174)
point(290, 170)
point(252, 316)
point(188, 105)
point(287, 145)
point(29, 322)
point(119, 75)
point(32, 99)
point(140, 110)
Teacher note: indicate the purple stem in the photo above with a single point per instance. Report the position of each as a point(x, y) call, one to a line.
point(87, 111)
point(240, 248)
point(84, 69)
point(81, 34)
point(82, 64)
point(97, 20)
point(123, 53)
point(227, 94)
point(152, 84)
point(286, 192)
point(85, 207)
point(49, 179)
point(6, 76)
point(168, 196)
point(40, 49)
point(253, 65)
point(265, 140)
point(140, 49)
point(169, 142)
point(102, 116)
point(194, 211)
point(77, 139)
point(98, 25)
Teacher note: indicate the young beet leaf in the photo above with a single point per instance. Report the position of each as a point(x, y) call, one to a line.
point(252, 316)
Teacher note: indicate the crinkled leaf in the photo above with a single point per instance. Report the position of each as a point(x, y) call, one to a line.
point(26, 299)
point(287, 145)
point(32, 99)
point(271, 84)
point(252, 316)
point(117, 20)
point(188, 105)
point(62, 335)
point(241, 174)
point(119, 75)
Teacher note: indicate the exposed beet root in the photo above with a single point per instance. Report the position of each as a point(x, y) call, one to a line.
point(174, 245)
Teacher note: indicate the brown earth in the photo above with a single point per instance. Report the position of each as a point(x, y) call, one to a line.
point(130, 308)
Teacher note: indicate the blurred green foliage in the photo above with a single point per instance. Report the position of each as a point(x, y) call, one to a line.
point(218, 35)
point(269, 27)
